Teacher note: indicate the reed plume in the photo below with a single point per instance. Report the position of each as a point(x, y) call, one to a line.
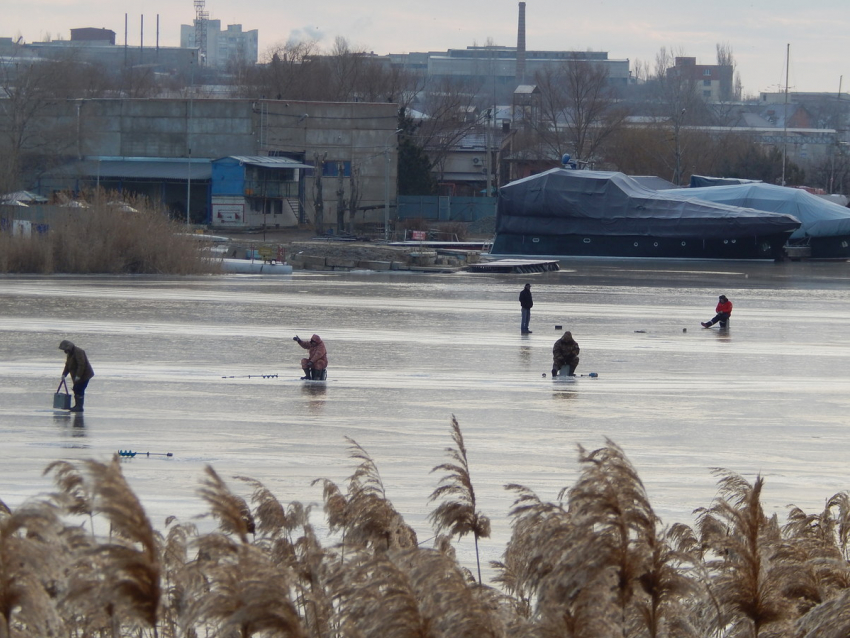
point(562, 571)
point(366, 514)
point(232, 512)
point(458, 512)
point(179, 576)
point(411, 593)
point(743, 541)
point(76, 498)
point(31, 574)
point(243, 592)
point(303, 557)
point(269, 515)
point(129, 560)
point(830, 619)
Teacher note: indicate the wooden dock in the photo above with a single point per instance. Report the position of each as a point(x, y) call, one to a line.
point(515, 266)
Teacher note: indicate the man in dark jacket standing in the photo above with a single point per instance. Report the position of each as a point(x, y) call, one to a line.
point(525, 303)
point(78, 366)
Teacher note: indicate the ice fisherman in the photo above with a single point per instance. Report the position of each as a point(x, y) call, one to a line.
point(317, 360)
point(525, 303)
point(565, 353)
point(723, 310)
point(78, 366)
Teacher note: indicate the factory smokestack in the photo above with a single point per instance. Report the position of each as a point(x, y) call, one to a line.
point(520, 46)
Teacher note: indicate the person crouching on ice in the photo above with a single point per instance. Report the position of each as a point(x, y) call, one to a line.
point(565, 353)
point(723, 310)
point(317, 361)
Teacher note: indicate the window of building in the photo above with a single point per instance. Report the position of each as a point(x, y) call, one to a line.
point(706, 93)
point(331, 169)
point(706, 82)
point(706, 71)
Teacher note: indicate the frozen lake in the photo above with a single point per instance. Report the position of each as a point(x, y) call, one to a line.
point(407, 351)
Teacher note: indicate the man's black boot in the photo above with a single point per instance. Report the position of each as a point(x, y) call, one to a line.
point(78, 403)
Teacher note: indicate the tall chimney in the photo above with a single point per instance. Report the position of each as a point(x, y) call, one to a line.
point(520, 46)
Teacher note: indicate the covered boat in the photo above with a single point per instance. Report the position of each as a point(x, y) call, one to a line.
point(825, 226)
point(598, 213)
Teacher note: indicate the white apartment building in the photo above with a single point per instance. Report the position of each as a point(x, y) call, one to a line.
point(223, 47)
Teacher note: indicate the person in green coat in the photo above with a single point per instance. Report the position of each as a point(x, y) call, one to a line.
point(565, 353)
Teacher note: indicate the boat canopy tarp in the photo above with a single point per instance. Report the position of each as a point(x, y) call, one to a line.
point(698, 181)
point(570, 202)
point(819, 217)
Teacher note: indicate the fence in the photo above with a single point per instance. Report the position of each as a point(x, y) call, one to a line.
point(446, 209)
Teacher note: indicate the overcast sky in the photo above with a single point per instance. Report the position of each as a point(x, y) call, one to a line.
point(758, 31)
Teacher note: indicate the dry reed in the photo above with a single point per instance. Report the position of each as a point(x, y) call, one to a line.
point(595, 563)
point(107, 239)
point(458, 512)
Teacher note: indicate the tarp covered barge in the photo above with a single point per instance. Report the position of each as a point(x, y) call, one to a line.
point(825, 226)
point(597, 213)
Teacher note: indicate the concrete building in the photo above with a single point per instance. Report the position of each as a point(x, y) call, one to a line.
point(250, 192)
point(223, 47)
point(495, 68)
point(165, 148)
point(713, 82)
point(103, 52)
point(91, 34)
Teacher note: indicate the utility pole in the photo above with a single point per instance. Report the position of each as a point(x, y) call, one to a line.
point(785, 117)
point(340, 198)
point(488, 158)
point(387, 184)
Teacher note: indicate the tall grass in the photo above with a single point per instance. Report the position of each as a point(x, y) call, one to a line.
point(105, 239)
point(596, 562)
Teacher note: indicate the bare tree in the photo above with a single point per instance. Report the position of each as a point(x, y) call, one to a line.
point(29, 93)
point(318, 201)
point(284, 73)
point(354, 195)
point(579, 108)
point(340, 197)
point(678, 102)
point(451, 113)
point(726, 58)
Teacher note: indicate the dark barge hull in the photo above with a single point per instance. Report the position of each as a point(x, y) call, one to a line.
point(756, 247)
point(827, 248)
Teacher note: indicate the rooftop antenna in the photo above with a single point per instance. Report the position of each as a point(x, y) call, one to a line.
point(201, 17)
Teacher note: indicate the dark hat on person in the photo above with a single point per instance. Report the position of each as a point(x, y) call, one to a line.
point(722, 297)
point(66, 345)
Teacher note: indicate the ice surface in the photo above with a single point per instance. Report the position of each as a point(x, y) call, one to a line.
point(407, 351)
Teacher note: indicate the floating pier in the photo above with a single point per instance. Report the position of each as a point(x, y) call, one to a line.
point(515, 266)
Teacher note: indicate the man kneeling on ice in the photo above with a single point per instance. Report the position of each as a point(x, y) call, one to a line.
point(565, 353)
point(317, 361)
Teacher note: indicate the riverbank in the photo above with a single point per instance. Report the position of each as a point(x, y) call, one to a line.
point(304, 251)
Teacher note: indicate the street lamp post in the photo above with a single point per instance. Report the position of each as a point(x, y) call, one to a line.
point(387, 184)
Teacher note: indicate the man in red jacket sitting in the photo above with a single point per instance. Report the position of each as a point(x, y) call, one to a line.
point(723, 310)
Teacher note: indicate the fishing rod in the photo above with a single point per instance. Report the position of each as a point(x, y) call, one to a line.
point(592, 375)
point(131, 454)
point(253, 376)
